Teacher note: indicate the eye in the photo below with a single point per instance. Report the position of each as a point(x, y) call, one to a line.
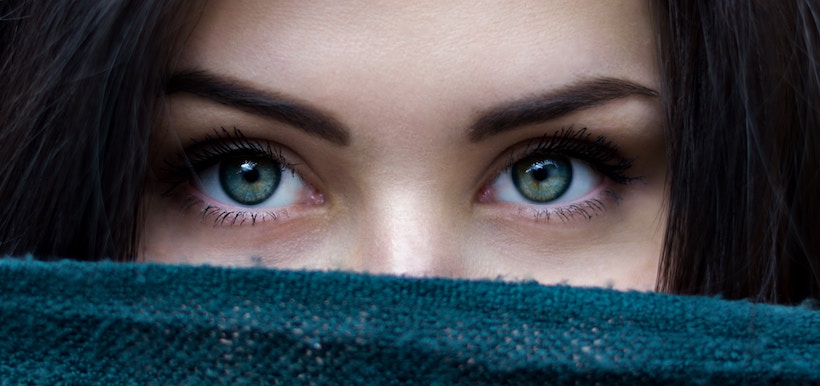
point(251, 181)
point(546, 180)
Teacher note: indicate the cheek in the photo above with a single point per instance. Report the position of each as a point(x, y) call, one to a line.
point(619, 249)
point(176, 235)
point(622, 264)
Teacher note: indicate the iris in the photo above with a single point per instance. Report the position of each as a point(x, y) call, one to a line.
point(249, 180)
point(542, 179)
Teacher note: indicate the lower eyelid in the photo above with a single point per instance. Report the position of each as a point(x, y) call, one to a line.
point(593, 205)
point(210, 212)
point(215, 214)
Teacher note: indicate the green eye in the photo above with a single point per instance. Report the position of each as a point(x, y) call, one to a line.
point(249, 180)
point(542, 179)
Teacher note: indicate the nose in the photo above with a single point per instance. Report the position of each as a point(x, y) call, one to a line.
point(406, 234)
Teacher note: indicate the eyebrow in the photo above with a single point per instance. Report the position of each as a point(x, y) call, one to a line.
point(234, 94)
point(554, 104)
point(551, 105)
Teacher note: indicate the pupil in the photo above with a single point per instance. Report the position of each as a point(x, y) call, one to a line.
point(540, 173)
point(248, 171)
point(250, 176)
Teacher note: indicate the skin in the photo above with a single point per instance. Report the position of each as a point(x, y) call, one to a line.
point(410, 192)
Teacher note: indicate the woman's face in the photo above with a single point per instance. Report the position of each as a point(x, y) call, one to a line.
point(512, 139)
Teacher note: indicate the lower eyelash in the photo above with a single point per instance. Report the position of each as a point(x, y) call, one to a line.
point(585, 210)
point(226, 217)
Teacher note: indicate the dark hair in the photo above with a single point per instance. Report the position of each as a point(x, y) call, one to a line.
point(78, 85)
point(743, 95)
point(81, 80)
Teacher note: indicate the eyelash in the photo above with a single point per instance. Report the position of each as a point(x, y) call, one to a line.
point(599, 153)
point(208, 152)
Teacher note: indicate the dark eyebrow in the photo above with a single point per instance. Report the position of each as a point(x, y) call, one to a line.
point(234, 94)
point(576, 96)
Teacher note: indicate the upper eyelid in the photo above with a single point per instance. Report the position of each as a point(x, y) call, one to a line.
point(184, 164)
point(223, 143)
point(567, 141)
point(583, 144)
point(202, 161)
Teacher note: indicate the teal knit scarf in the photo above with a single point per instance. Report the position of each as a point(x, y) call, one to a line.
point(107, 323)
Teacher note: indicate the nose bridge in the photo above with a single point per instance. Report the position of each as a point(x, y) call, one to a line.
point(404, 232)
point(403, 198)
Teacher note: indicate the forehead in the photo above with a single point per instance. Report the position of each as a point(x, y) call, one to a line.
point(397, 58)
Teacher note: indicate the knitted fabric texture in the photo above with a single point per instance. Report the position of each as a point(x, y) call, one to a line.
point(107, 323)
